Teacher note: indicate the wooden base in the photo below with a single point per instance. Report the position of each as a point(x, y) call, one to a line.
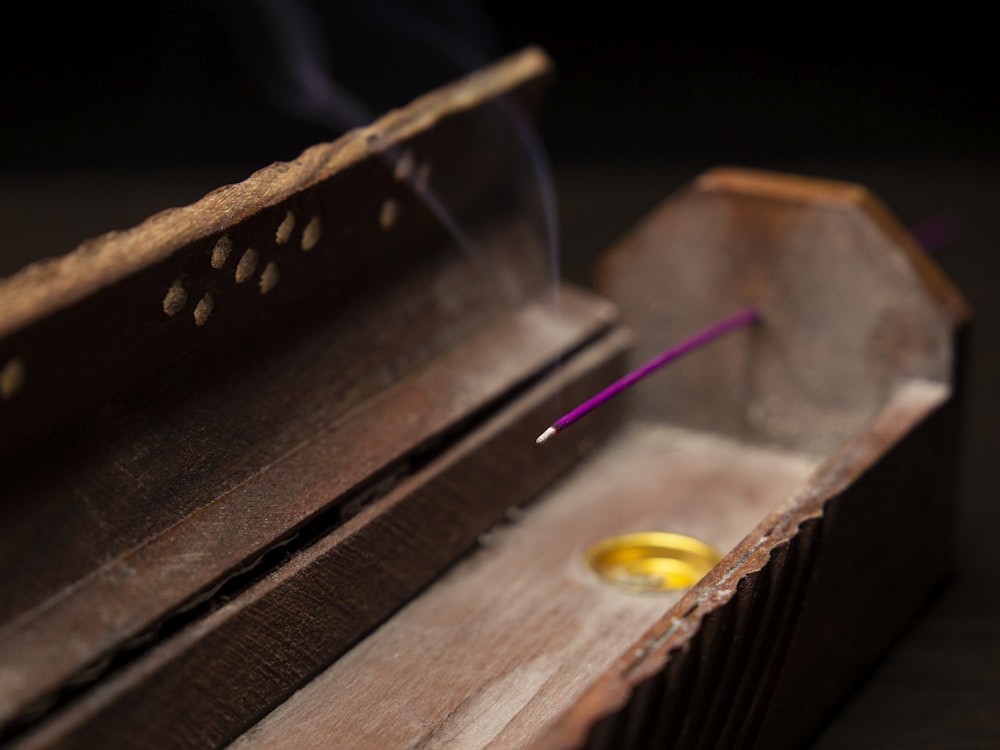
point(513, 635)
point(247, 432)
point(827, 481)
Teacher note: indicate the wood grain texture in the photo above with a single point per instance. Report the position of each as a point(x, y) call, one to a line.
point(246, 430)
point(46, 287)
point(851, 306)
point(202, 686)
point(520, 646)
point(854, 366)
point(763, 647)
point(863, 363)
point(109, 316)
point(185, 399)
point(188, 556)
point(858, 320)
point(514, 635)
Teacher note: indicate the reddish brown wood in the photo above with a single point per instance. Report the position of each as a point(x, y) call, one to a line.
point(851, 306)
point(853, 367)
point(100, 312)
point(162, 452)
point(239, 463)
point(340, 464)
point(760, 652)
point(510, 637)
point(202, 686)
point(857, 359)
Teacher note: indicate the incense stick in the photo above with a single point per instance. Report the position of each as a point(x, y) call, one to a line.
point(736, 320)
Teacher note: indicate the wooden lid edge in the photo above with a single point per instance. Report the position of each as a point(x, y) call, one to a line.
point(49, 285)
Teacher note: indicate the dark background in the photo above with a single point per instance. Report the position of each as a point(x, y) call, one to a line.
point(109, 112)
point(167, 84)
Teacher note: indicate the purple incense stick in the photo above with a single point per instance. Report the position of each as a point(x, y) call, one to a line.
point(737, 320)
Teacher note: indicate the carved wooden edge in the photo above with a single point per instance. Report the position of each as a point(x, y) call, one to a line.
point(886, 545)
point(212, 680)
point(46, 286)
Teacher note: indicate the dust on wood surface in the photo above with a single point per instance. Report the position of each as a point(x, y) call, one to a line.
point(491, 654)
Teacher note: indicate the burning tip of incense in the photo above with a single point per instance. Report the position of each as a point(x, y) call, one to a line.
point(546, 435)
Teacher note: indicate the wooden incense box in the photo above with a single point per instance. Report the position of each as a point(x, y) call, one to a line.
point(269, 475)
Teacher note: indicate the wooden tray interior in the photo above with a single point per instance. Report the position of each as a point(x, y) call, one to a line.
point(521, 645)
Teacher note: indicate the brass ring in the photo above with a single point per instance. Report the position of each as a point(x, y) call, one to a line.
point(652, 561)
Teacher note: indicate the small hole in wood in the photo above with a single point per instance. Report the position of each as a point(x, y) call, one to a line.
point(652, 561)
point(246, 266)
point(404, 167)
point(285, 228)
point(269, 277)
point(388, 215)
point(221, 251)
point(12, 378)
point(175, 298)
point(204, 308)
point(311, 234)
